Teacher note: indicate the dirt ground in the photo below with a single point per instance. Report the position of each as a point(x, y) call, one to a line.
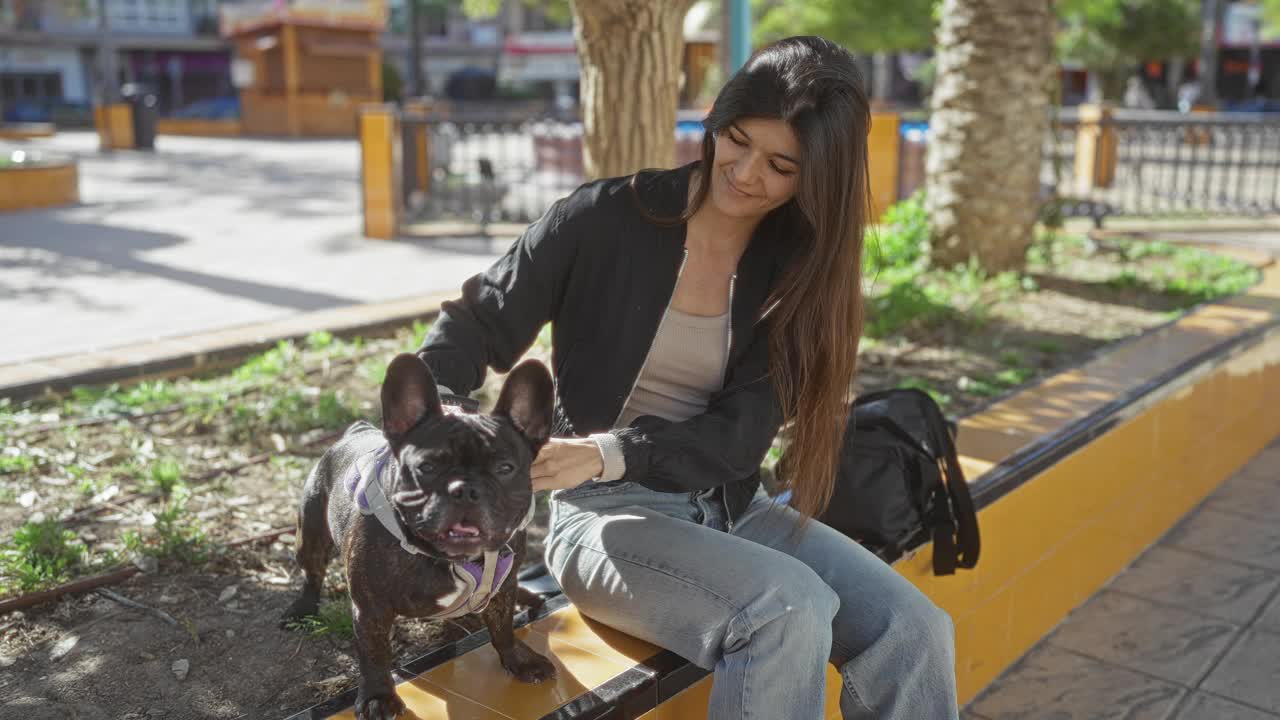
point(223, 655)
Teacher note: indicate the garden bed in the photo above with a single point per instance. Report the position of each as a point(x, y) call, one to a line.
point(176, 476)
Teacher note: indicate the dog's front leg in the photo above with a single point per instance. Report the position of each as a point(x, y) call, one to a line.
point(519, 659)
point(376, 698)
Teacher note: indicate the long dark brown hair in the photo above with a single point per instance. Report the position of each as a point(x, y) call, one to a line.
point(815, 310)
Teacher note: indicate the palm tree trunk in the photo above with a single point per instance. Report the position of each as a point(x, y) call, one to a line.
point(630, 53)
point(987, 129)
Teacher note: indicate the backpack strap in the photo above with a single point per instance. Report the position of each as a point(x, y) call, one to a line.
point(968, 543)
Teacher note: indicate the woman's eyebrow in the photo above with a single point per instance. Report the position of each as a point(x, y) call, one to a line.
point(784, 156)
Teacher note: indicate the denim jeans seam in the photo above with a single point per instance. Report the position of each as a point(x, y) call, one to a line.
point(635, 560)
point(845, 681)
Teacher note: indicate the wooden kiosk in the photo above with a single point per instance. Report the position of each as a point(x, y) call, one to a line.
point(303, 67)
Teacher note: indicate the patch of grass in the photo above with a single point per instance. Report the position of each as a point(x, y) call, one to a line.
point(905, 306)
point(16, 464)
point(99, 401)
point(41, 554)
point(7, 495)
point(164, 475)
point(333, 618)
point(374, 370)
point(286, 409)
point(943, 399)
point(176, 536)
point(1189, 276)
point(1048, 345)
point(1011, 377)
point(319, 340)
point(268, 365)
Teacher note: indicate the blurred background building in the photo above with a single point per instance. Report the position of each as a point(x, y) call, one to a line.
point(203, 58)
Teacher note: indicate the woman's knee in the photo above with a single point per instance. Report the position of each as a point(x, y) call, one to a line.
point(793, 593)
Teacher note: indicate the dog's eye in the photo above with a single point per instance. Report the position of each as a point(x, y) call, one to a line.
point(506, 468)
point(426, 468)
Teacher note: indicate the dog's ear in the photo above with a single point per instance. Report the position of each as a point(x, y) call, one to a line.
point(409, 394)
point(527, 399)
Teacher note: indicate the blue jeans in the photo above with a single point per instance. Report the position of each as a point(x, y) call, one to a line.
point(765, 606)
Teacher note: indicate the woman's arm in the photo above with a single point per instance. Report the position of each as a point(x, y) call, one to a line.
point(502, 309)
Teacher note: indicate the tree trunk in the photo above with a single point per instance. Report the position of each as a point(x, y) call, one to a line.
point(630, 52)
point(990, 116)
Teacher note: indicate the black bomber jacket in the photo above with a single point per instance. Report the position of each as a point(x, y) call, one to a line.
point(604, 275)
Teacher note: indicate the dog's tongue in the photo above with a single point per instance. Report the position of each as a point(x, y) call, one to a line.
point(461, 529)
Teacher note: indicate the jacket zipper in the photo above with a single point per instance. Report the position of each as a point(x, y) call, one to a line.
point(724, 496)
point(679, 273)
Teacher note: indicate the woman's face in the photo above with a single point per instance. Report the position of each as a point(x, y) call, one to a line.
point(756, 168)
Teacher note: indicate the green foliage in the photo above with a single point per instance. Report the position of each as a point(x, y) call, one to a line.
point(99, 401)
point(862, 26)
point(176, 536)
point(333, 618)
point(16, 464)
point(165, 475)
point(41, 554)
point(1187, 275)
point(943, 399)
point(916, 296)
point(287, 409)
point(1113, 36)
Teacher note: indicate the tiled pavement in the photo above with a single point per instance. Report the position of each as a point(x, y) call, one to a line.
point(1189, 631)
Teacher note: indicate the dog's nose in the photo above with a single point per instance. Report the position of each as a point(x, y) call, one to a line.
point(463, 491)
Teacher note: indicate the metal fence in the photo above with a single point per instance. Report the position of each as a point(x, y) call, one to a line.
point(1163, 163)
point(493, 165)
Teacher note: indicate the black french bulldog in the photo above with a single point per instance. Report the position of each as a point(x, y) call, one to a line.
point(423, 514)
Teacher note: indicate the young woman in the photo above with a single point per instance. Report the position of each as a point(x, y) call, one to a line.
point(695, 312)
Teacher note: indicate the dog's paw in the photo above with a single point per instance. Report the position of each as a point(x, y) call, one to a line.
point(380, 707)
point(300, 609)
point(526, 665)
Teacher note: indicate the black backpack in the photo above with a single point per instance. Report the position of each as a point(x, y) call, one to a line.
point(899, 482)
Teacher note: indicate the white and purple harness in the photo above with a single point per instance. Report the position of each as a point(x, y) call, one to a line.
point(478, 581)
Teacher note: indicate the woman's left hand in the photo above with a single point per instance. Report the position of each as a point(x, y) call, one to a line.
point(566, 463)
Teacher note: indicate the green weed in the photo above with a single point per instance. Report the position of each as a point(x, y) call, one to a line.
point(333, 618)
point(41, 554)
point(164, 476)
point(16, 464)
point(176, 535)
point(943, 399)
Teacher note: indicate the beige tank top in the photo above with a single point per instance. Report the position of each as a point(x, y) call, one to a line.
point(685, 365)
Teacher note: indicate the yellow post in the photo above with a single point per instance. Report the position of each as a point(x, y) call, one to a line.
point(1096, 146)
point(380, 171)
point(883, 147)
point(115, 126)
point(292, 78)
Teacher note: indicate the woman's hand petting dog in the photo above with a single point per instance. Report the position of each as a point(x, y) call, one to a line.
point(566, 463)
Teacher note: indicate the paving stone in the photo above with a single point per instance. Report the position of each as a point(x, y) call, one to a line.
point(1172, 576)
point(1208, 707)
point(1270, 618)
point(1250, 672)
point(1254, 492)
point(1054, 683)
point(1230, 537)
point(1166, 642)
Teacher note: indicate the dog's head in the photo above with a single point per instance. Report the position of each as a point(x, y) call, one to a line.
point(463, 481)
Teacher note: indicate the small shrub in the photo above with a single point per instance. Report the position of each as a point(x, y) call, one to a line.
point(41, 554)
